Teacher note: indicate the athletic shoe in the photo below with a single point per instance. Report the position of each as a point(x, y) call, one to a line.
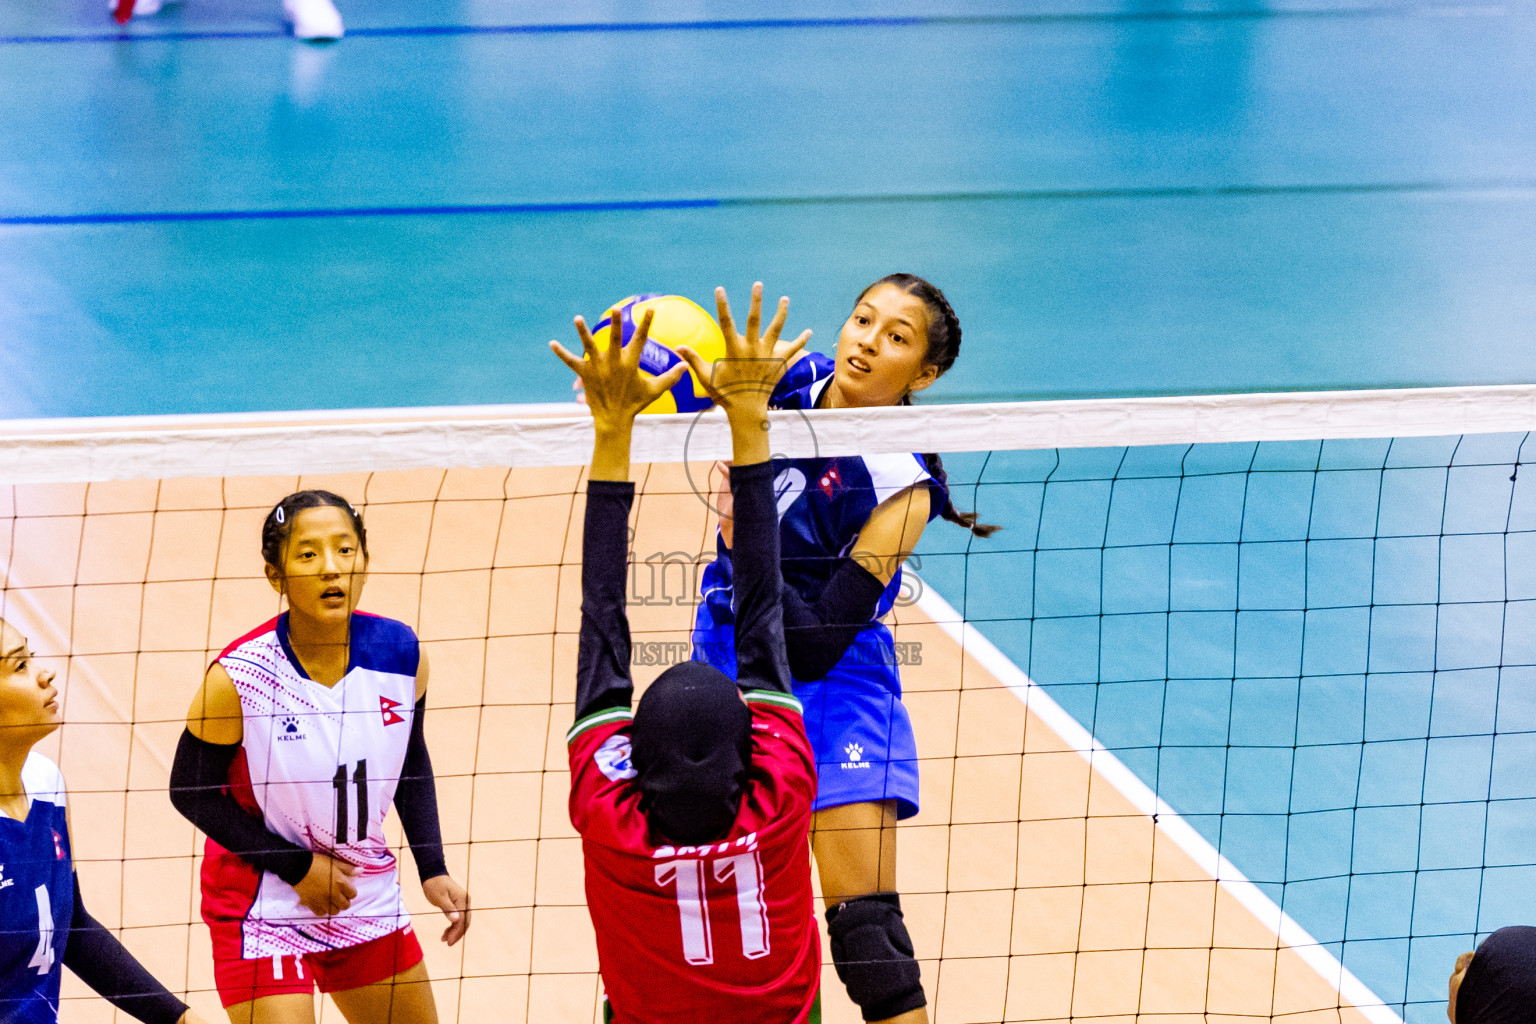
point(312, 19)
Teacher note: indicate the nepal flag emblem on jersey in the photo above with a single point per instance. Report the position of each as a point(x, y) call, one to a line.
point(387, 708)
point(830, 481)
point(58, 845)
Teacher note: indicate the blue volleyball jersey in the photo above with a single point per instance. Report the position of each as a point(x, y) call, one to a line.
point(823, 505)
point(37, 898)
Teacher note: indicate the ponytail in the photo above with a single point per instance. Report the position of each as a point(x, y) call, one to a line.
point(969, 520)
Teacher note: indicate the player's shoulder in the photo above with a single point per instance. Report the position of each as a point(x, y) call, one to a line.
point(778, 727)
point(599, 749)
point(42, 780)
point(803, 382)
point(384, 644)
point(888, 474)
point(266, 633)
point(847, 488)
point(781, 786)
point(774, 701)
point(603, 805)
point(599, 727)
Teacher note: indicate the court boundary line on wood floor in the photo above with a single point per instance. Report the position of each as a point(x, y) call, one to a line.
point(1288, 932)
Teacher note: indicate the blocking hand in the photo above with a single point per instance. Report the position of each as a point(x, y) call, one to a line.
point(616, 390)
point(743, 379)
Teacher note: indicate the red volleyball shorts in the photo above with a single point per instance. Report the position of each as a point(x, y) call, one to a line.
point(335, 970)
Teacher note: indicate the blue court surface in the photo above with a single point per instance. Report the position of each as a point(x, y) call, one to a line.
point(198, 214)
point(1320, 654)
point(1120, 198)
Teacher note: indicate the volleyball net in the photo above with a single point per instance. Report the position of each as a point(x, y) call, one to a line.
point(1234, 719)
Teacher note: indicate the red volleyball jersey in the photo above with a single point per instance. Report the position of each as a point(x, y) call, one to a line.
point(720, 932)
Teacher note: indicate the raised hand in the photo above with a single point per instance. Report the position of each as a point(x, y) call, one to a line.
point(742, 380)
point(616, 390)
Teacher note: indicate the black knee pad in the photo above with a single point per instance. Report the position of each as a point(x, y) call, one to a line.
point(873, 955)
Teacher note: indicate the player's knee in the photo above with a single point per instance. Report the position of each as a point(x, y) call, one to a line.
point(873, 955)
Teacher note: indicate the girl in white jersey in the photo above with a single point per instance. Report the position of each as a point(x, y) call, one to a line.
point(305, 731)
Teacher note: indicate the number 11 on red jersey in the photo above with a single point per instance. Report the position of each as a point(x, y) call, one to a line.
point(690, 879)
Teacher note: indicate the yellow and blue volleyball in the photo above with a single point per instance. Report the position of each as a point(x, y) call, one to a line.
point(675, 321)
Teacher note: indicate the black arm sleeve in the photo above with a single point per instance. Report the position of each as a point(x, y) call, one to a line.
point(602, 657)
point(819, 632)
point(198, 778)
point(760, 659)
point(103, 963)
point(416, 800)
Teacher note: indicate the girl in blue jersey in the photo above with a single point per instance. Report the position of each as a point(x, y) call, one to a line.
point(847, 524)
point(44, 925)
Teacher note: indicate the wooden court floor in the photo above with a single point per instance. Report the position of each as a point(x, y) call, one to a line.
point(1035, 890)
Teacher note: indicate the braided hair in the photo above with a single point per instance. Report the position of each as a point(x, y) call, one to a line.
point(279, 522)
point(943, 350)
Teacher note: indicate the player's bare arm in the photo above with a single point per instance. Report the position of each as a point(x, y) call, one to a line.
point(215, 715)
point(892, 531)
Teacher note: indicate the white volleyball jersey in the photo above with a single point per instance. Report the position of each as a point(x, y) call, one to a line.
point(319, 765)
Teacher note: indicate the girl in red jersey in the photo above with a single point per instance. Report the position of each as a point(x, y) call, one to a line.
point(303, 734)
point(695, 808)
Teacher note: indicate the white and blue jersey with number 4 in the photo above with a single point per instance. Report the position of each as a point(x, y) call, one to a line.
point(37, 898)
point(865, 749)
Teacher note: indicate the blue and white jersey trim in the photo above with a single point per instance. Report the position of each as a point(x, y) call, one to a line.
point(889, 475)
point(42, 779)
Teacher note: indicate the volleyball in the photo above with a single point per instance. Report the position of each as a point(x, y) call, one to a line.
point(676, 321)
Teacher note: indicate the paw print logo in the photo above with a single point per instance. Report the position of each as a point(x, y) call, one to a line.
point(290, 725)
point(854, 751)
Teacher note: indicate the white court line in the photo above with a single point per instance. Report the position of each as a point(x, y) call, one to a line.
point(1114, 771)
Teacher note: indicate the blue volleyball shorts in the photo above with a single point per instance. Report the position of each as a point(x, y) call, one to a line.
point(862, 735)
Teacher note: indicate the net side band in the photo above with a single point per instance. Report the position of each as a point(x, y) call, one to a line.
point(118, 448)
